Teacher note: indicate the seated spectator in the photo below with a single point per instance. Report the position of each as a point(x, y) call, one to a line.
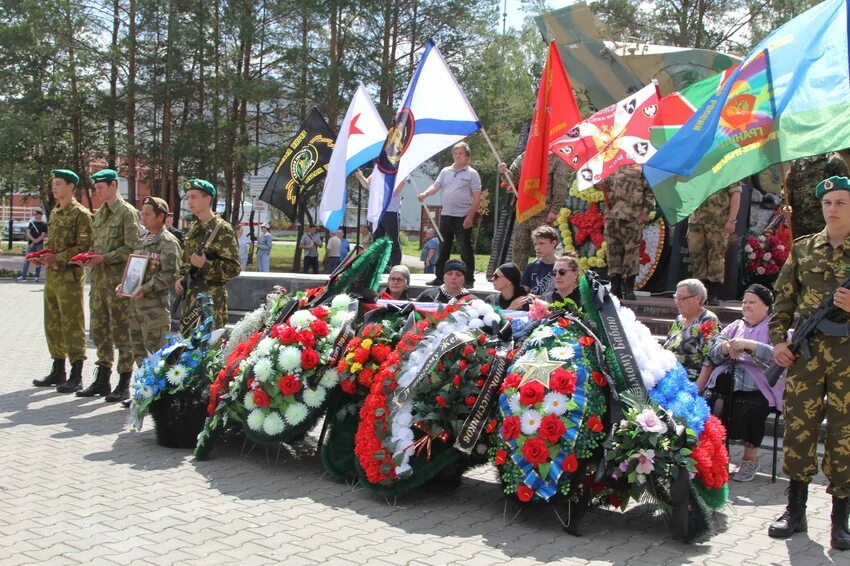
point(538, 276)
point(511, 295)
point(566, 271)
point(397, 284)
point(740, 354)
point(452, 289)
point(689, 338)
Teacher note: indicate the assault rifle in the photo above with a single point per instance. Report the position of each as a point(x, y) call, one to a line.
point(188, 281)
point(816, 323)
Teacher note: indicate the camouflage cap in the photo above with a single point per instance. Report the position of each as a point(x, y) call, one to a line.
point(67, 175)
point(104, 176)
point(200, 185)
point(832, 184)
point(157, 203)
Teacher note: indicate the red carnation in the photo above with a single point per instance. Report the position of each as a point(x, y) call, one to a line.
point(491, 352)
point(594, 423)
point(309, 358)
point(456, 381)
point(599, 378)
point(289, 384)
point(570, 463)
point(468, 350)
point(361, 355)
point(320, 327)
point(440, 366)
point(306, 338)
point(479, 383)
point(342, 366)
point(524, 493)
point(563, 381)
point(441, 401)
point(586, 341)
point(261, 399)
point(462, 365)
point(501, 457)
point(365, 377)
point(511, 381)
point(320, 312)
point(470, 401)
point(510, 428)
point(482, 339)
point(531, 393)
point(552, 428)
point(380, 352)
point(535, 451)
point(353, 343)
point(564, 322)
point(491, 426)
point(485, 369)
point(348, 386)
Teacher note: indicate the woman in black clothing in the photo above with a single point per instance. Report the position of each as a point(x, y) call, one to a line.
point(452, 289)
point(566, 281)
point(511, 294)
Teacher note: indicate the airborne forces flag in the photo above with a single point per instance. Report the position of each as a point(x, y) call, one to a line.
point(304, 163)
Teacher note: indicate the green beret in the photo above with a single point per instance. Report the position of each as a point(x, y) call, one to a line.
point(832, 184)
point(67, 175)
point(104, 176)
point(200, 185)
point(157, 203)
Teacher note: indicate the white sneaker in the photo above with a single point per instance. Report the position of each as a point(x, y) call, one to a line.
point(747, 471)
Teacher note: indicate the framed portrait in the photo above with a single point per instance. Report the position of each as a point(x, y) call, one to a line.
point(134, 274)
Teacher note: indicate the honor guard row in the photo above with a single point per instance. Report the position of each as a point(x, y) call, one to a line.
point(130, 277)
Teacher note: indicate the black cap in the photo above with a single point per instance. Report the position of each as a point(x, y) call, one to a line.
point(511, 273)
point(455, 265)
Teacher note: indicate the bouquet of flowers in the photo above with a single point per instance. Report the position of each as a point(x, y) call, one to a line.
point(421, 396)
point(765, 255)
point(552, 413)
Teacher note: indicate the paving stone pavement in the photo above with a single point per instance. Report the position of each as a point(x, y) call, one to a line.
point(77, 486)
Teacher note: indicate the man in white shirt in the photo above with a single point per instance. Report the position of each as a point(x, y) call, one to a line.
point(332, 252)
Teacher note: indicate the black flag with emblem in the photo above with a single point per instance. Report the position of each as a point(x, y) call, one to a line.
point(304, 163)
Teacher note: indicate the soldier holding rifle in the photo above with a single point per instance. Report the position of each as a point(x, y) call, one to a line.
point(816, 269)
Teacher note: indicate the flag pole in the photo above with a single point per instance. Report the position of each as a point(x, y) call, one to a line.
point(427, 210)
point(359, 204)
point(783, 173)
point(498, 159)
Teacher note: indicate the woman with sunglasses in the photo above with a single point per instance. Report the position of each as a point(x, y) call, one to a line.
point(566, 272)
point(690, 336)
point(398, 282)
point(511, 295)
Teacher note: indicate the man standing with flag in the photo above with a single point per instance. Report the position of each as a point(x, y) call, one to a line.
point(461, 186)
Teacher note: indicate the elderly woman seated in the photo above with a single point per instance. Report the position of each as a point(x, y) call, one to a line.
point(398, 282)
point(452, 289)
point(689, 338)
point(510, 295)
point(740, 354)
point(566, 270)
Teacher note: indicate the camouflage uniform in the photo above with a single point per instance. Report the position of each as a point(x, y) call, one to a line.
point(222, 263)
point(70, 230)
point(116, 234)
point(560, 179)
point(628, 197)
point(150, 318)
point(814, 269)
point(803, 175)
point(707, 237)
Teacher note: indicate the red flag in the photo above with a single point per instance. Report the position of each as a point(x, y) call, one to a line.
point(555, 112)
point(613, 137)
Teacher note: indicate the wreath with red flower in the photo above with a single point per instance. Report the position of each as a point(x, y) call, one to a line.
point(552, 412)
point(417, 405)
point(590, 225)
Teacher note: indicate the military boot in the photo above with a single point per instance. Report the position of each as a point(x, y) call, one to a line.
point(793, 520)
point(100, 385)
point(712, 288)
point(840, 539)
point(75, 381)
point(122, 390)
point(617, 286)
point(629, 288)
point(55, 377)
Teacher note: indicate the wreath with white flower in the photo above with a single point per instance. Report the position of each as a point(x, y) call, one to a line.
point(416, 406)
point(651, 249)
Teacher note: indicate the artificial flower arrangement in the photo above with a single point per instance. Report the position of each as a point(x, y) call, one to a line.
point(357, 368)
point(421, 396)
point(552, 413)
point(651, 249)
point(283, 377)
point(171, 384)
point(764, 255)
point(583, 216)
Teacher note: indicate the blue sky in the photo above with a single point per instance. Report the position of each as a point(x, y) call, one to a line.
point(516, 15)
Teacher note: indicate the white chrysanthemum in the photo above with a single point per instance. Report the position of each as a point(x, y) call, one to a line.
point(145, 392)
point(177, 374)
point(273, 424)
point(562, 353)
point(514, 404)
point(264, 347)
point(289, 359)
point(264, 370)
point(555, 403)
point(338, 318)
point(330, 378)
point(341, 301)
point(403, 470)
point(476, 323)
point(301, 319)
point(313, 398)
point(529, 421)
point(255, 419)
point(404, 416)
point(540, 334)
point(295, 413)
point(402, 437)
point(249, 400)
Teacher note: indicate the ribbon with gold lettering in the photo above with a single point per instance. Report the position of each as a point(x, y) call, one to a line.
point(474, 425)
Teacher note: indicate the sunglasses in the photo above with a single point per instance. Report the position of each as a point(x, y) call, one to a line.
point(563, 272)
point(497, 275)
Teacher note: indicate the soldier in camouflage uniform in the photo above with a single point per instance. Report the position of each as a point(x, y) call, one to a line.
point(70, 230)
point(630, 202)
point(560, 179)
point(150, 319)
point(116, 233)
point(803, 175)
point(708, 235)
point(219, 263)
point(817, 265)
